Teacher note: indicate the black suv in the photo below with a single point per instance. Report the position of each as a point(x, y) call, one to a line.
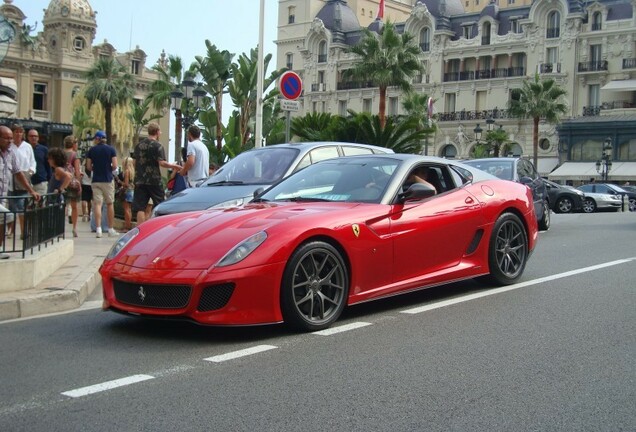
point(522, 171)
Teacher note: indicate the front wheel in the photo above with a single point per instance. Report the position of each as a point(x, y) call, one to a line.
point(632, 204)
point(589, 206)
point(315, 287)
point(544, 223)
point(565, 205)
point(507, 251)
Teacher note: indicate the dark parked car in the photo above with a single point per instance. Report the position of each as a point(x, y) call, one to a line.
point(522, 171)
point(235, 182)
point(611, 189)
point(564, 199)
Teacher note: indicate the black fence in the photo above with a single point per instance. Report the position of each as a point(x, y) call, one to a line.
point(44, 223)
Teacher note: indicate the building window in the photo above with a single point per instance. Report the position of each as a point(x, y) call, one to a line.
point(314, 107)
point(468, 31)
point(594, 95)
point(511, 2)
point(79, 43)
point(596, 54)
point(135, 67)
point(289, 58)
point(514, 26)
point(321, 77)
point(544, 144)
point(322, 52)
point(596, 21)
point(291, 15)
point(449, 152)
point(449, 102)
point(342, 108)
point(393, 106)
point(485, 34)
point(551, 55)
point(366, 105)
point(554, 25)
point(425, 39)
point(39, 96)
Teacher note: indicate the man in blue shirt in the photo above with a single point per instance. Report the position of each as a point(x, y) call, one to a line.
point(42, 174)
point(102, 160)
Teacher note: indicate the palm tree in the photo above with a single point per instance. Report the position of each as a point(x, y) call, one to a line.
point(399, 134)
point(82, 121)
point(216, 70)
point(387, 59)
point(242, 89)
point(170, 75)
point(538, 99)
point(108, 83)
point(314, 127)
point(496, 138)
point(139, 118)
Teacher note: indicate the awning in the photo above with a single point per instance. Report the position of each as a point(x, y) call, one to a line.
point(546, 165)
point(584, 171)
point(620, 85)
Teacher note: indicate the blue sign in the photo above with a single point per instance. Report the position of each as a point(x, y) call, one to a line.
point(291, 85)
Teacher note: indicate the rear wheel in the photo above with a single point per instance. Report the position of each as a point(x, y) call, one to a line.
point(507, 251)
point(315, 287)
point(544, 223)
point(589, 205)
point(564, 205)
point(632, 204)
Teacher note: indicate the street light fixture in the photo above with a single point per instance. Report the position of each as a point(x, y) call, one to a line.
point(187, 100)
point(490, 123)
point(604, 164)
point(478, 130)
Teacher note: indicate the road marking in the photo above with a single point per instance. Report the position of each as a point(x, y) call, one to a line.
point(496, 291)
point(342, 328)
point(109, 385)
point(240, 353)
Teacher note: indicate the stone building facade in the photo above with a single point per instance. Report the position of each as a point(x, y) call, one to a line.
point(474, 55)
point(47, 69)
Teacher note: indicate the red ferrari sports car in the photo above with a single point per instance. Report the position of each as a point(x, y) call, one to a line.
point(340, 232)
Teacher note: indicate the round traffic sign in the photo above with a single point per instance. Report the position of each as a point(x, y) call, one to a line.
point(291, 85)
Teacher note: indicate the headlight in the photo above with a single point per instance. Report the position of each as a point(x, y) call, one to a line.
point(243, 249)
point(235, 202)
point(122, 242)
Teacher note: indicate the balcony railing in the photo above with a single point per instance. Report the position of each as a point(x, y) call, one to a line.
point(484, 74)
point(420, 79)
point(425, 46)
point(629, 63)
point(550, 68)
point(552, 33)
point(591, 111)
point(318, 87)
point(597, 26)
point(465, 115)
point(351, 85)
point(593, 66)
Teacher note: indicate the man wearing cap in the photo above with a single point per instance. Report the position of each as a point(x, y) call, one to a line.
point(101, 159)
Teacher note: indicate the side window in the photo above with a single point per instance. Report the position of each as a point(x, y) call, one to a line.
point(323, 153)
point(305, 162)
point(350, 151)
point(604, 190)
point(586, 188)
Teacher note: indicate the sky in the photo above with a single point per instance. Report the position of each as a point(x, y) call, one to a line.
point(178, 27)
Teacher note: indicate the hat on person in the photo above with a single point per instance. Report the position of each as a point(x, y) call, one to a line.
point(99, 135)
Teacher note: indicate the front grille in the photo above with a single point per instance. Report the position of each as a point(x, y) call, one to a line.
point(215, 297)
point(152, 296)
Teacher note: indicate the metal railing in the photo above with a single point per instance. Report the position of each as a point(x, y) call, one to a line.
point(44, 223)
point(593, 66)
point(629, 63)
point(474, 115)
point(484, 74)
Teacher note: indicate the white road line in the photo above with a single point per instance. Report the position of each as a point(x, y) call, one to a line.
point(342, 328)
point(241, 353)
point(496, 291)
point(109, 385)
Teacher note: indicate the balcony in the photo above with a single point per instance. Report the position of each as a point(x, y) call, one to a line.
point(484, 74)
point(464, 115)
point(352, 85)
point(318, 87)
point(421, 79)
point(40, 115)
point(591, 111)
point(593, 66)
point(553, 33)
point(546, 68)
point(485, 40)
point(610, 108)
point(597, 26)
point(629, 63)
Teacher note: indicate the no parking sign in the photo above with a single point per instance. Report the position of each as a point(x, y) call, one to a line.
point(291, 85)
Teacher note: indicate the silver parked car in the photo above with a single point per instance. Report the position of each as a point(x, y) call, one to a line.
point(599, 199)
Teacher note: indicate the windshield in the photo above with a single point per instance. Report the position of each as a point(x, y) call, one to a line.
point(262, 166)
point(499, 168)
point(346, 180)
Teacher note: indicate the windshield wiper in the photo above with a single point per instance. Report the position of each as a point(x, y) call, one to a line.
point(306, 199)
point(225, 183)
point(258, 200)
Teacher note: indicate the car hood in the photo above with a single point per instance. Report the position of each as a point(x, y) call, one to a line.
point(198, 240)
point(204, 197)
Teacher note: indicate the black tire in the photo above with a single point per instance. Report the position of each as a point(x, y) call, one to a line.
point(507, 251)
point(544, 223)
point(315, 287)
point(564, 205)
point(589, 205)
point(632, 204)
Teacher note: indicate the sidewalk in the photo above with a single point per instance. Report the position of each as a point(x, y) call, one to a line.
point(67, 287)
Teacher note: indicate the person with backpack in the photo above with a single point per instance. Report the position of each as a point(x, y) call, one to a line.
point(74, 190)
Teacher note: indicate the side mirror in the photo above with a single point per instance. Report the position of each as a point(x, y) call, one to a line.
point(417, 191)
point(525, 180)
point(258, 191)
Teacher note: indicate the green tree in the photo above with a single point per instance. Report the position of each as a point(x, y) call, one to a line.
point(388, 59)
point(416, 107)
point(108, 83)
point(496, 139)
point(216, 70)
point(538, 99)
point(139, 117)
point(242, 90)
point(399, 134)
point(314, 127)
point(82, 122)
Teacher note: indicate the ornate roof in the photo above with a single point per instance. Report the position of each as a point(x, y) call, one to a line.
point(65, 9)
point(337, 16)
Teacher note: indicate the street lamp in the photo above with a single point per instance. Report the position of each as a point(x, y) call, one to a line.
point(186, 101)
point(604, 164)
point(490, 124)
point(478, 130)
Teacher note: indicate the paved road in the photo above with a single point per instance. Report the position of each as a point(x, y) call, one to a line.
point(555, 352)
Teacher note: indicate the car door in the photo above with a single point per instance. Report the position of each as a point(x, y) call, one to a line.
point(525, 168)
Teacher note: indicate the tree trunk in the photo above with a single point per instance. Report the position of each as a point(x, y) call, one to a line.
point(535, 142)
point(382, 109)
point(108, 114)
point(219, 121)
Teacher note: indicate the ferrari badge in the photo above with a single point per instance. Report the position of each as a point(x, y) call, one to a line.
point(356, 230)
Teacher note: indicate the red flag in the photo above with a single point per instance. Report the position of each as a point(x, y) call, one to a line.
point(381, 10)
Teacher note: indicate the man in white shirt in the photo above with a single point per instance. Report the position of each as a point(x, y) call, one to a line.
point(26, 163)
point(197, 161)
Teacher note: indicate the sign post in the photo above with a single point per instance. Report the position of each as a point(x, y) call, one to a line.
point(291, 87)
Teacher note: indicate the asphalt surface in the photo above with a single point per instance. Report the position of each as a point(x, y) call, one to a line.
point(552, 353)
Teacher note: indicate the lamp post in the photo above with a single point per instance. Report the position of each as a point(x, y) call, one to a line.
point(604, 164)
point(478, 130)
point(85, 144)
point(186, 101)
point(490, 124)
